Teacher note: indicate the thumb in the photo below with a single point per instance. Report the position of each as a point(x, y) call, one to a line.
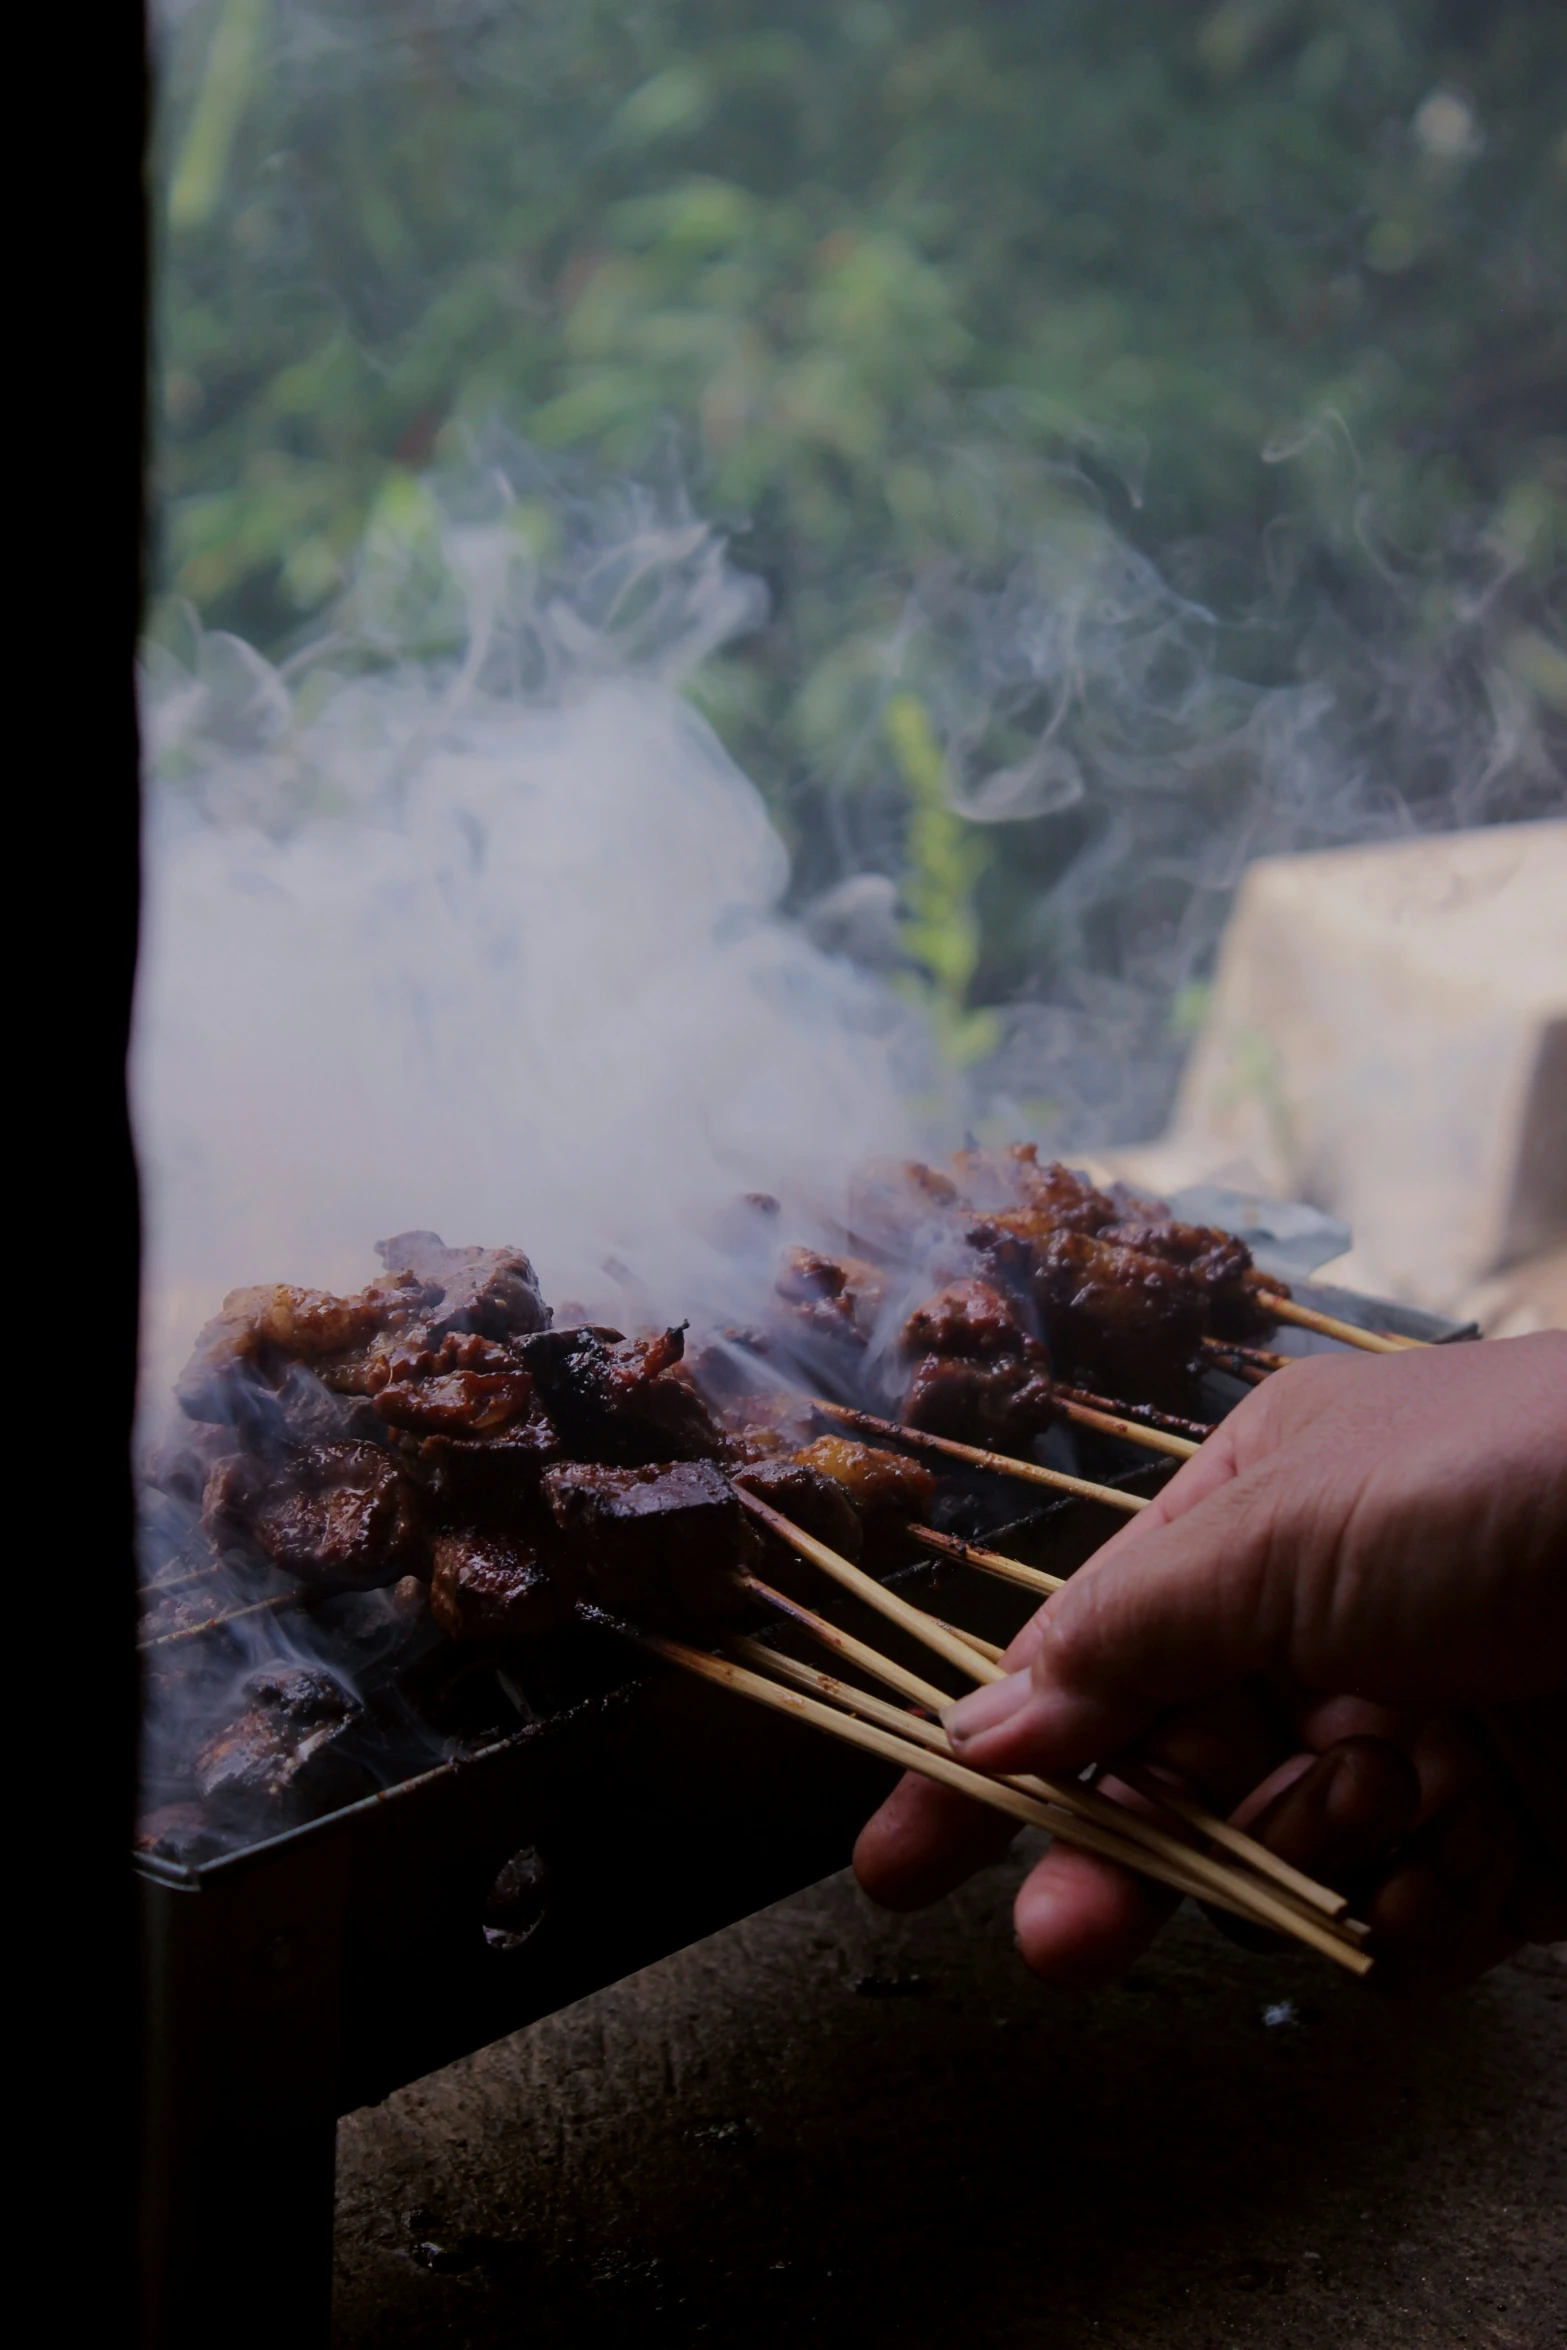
point(1176, 1612)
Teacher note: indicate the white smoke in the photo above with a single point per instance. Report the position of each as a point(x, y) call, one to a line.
point(435, 947)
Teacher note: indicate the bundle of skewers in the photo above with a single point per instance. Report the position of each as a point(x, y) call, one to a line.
point(487, 1474)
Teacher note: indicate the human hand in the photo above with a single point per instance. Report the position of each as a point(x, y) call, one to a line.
point(1344, 1622)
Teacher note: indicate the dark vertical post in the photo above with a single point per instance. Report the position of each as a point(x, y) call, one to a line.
point(74, 528)
point(243, 1990)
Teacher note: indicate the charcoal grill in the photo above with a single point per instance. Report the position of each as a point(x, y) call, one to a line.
point(292, 1981)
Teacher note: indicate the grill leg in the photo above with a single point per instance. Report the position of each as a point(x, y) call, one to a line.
point(243, 1974)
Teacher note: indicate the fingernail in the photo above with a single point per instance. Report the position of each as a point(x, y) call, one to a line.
point(987, 1708)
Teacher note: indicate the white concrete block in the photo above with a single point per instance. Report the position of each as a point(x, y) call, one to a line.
point(1387, 1039)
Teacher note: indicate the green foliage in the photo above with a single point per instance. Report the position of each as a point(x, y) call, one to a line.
point(908, 292)
point(945, 859)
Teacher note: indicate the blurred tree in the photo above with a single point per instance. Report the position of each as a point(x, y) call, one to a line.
point(908, 292)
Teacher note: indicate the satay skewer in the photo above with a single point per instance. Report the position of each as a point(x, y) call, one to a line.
point(1262, 1358)
point(234, 1615)
point(990, 1650)
point(151, 1591)
point(1179, 1448)
point(1235, 1366)
point(1257, 1904)
point(1084, 1803)
point(901, 1612)
point(1003, 1464)
point(1375, 1342)
point(963, 1651)
point(1141, 1415)
point(855, 1652)
point(989, 1562)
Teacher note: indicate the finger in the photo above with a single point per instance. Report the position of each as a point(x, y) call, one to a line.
point(1338, 1815)
point(1081, 1921)
point(1220, 1749)
point(1196, 1605)
point(1442, 1916)
point(924, 1841)
point(1341, 1552)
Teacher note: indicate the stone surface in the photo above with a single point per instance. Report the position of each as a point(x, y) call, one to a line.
point(827, 2125)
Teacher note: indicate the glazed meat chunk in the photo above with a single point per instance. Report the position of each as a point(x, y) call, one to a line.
point(289, 1748)
point(969, 1318)
point(818, 1504)
point(494, 1587)
point(462, 1386)
point(491, 1480)
point(1044, 1199)
point(262, 1331)
point(1132, 1322)
point(1216, 1261)
point(879, 1483)
point(493, 1291)
point(1001, 1402)
point(342, 1515)
point(978, 1377)
point(836, 1298)
point(658, 1543)
point(616, 1399)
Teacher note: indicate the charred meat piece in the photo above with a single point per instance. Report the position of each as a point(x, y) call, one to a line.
point(819, 1504)
point(980, 1377)
point(342, 1515)
point(765, 1427)
point(490, 1481)
point(494, 1587)
point(493, 1291)
point(463, 1386)
point(658, 1543)
point(616, 1401)
point(727, 1363)
point(1001, 1402)
point(836, 1298)
point(1050, 1198)
point(291, 1747)
point(1132, 1321)
point(260, 1331)
point(1213, 1258)
point(879, 1483)
point(1243, 1309)
point(893, 1200)
point(1057, 1194)
point(968, 1318)
point(1219, 1263)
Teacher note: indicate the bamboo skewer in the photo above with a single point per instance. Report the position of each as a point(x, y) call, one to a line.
point(1180, 1874)
point(962, 1650)
point(948, 1645)
point(855, 1652)
point(988, 1649)
point(147, 1592)
point(1003, 1464)
point(1263, 1357)
point(1375, 1342)
point(989, 1562)
point(1219, 1831)
point(234, 1615)
point(1142, 1415)
point(1179, 1448)
point(1208, 1877)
